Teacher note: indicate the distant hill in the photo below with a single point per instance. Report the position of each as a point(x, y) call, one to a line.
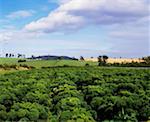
point(49, 57)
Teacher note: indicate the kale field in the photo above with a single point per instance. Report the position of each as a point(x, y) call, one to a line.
point(75, 94)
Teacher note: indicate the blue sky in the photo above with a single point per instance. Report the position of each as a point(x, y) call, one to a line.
point(75, 27)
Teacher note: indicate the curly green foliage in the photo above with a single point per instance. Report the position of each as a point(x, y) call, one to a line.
point(76, 94)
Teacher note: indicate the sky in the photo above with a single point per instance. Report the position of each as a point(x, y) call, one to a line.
point(75, 27)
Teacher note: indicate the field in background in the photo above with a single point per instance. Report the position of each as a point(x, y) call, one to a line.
point(53, 63)
point(45, 63)
point(117, 60)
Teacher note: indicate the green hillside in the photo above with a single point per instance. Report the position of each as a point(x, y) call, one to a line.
point(45, 63)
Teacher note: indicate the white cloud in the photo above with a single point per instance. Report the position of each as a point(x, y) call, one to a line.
point(20, 14)
point(10, 34)
point(75, 14)
point(56, 22)
point(131, 39)
point(137, 30)
point(5, 36)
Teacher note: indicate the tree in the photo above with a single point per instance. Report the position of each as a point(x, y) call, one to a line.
point(32, 57)
point(146, 59)
point(6, 55)
point(100, 61)
point(10, 55)
point(81, 58)
point(19, 55)
point(60, 58)
point(105, 58)
point(13, 55)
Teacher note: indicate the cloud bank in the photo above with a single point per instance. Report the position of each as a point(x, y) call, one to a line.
point(76, 14)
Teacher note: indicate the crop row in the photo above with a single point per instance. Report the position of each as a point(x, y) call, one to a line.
point(82, 94)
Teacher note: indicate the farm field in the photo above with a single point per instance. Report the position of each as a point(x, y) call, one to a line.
point(74, 61)
point(45, 63)
point(75, 94)
point(117, 60)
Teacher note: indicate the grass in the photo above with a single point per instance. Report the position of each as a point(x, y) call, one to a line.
point(9, 61)
point(45, 63)
point(41, 63)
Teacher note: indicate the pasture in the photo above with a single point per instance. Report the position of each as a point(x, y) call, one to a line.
point(45, 63)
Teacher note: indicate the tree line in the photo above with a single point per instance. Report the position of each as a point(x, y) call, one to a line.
point(11, 55)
